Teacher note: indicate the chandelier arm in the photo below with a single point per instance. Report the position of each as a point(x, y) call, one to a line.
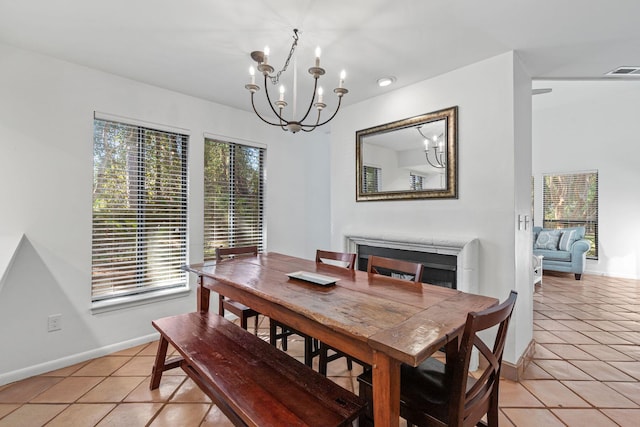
point(259, 116)
point(333, 115)
point(313, 98)
point(438, 166)
point(312, 127)
point(419, 128)
point(283, 124)
point(266, 91)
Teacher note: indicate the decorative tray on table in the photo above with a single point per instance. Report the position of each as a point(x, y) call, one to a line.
point(317, 279)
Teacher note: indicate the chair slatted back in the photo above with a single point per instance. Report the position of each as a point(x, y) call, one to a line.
point(222, 253)
point(380, 265)
point(468, 406)
point(348, 259)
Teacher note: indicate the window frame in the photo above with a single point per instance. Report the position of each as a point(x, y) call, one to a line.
point(230, 234)
point(416, 181)
point(591, 225)
point(376, 185)
point(142, 284)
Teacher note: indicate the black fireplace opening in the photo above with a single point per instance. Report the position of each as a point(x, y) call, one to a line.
point(439, 269)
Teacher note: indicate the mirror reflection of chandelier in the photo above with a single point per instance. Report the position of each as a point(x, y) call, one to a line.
point(434, 149)
point(293, 125)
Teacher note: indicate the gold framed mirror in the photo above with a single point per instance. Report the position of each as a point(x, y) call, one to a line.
point(414, 158)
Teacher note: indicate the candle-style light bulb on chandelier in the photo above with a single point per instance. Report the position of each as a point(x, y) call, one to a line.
point(438, 158)
point(293, 125)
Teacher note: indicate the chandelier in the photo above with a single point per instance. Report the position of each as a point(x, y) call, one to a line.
point(438, 157)
point(293, 125)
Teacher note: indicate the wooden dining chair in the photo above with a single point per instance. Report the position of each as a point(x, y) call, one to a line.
point(406, 270)
point(438, 394)
point(279, 331)
point(377, 265)
point(340, 259)
point(226, 304)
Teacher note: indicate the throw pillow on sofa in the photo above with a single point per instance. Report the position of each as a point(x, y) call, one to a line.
point(566, 240)
point(548, 239)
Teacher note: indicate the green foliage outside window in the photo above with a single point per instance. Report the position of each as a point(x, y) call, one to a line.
point(139, 209)
point(233, 196)
point(372, 179)
point(572, 200)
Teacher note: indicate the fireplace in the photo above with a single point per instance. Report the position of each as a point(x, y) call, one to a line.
point(439, 269)
point(449, 262)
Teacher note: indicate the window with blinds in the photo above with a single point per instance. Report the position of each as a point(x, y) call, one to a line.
point(139, 239)
point(416, 182)
point(233, 196)
point(372, 179)
point(571, 200)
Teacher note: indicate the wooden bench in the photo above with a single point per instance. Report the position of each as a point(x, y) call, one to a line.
point(252, 382)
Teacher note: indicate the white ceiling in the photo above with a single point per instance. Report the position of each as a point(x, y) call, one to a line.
point(201, 47)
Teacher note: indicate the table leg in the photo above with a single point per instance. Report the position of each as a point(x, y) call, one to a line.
point(158, 366)
point(386, 390)
point(451, 351)
point(203, 296)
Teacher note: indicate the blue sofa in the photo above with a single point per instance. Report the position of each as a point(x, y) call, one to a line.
point(563, 249)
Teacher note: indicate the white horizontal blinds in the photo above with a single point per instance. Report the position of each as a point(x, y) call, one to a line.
point(139, 209)
point(571, 200)
point(372, 179)
point(416, 182)
point(233, 196)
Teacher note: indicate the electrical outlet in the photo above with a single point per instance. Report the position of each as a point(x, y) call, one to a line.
point(54, 322)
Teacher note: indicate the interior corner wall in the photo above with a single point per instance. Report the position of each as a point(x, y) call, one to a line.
point(593, 125)
point(520, 333)
point(46, 175)
point(484, 93)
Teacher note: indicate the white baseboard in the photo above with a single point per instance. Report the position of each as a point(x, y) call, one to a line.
point(613, 275)
point(30, 371)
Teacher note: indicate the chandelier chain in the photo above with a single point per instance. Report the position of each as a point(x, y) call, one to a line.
point(275, 79)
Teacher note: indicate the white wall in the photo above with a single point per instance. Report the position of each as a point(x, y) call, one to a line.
point(490, 95)
point(46, 173)
point(520, 331)
point(593, 125)
point(393, 177)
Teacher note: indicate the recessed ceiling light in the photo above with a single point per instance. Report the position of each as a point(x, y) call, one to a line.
point(386, 81)
point(625, 71)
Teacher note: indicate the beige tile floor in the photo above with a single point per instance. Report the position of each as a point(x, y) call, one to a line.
point(586, 371)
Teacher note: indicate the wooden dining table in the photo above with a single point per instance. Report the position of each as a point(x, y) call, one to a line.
point(379, 320)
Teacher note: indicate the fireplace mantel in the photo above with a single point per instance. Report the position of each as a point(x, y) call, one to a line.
point(465, 250)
